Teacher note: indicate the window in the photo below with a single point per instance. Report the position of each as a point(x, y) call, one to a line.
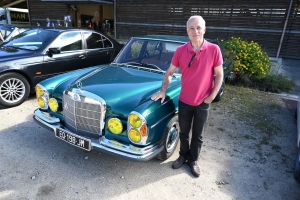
point(68, 42)
point(96, 40)
point(93, 40)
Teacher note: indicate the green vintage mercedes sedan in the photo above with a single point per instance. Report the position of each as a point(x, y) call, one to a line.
point(108, 108)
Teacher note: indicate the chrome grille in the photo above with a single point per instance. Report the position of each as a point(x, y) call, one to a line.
point(83, 114)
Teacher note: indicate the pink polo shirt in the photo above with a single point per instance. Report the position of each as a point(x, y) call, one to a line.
point(197, 81)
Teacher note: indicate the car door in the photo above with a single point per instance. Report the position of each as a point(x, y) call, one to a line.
point(99, 49)
point(71, 57)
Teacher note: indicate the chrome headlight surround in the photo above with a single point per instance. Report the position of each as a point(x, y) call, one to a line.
point(44, 95)
point(142, 129)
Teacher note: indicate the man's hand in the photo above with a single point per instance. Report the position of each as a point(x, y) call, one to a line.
point(208, 100)
point(159, 95)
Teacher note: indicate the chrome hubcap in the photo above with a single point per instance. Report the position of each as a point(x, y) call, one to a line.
point(172, 138)
point(12, 90)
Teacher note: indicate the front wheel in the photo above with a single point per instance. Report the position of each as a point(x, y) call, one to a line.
point(170, 139)
point(297, 166)
point(14, 89)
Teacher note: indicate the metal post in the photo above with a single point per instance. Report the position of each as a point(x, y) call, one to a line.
point(283, 31)
point(115, 18)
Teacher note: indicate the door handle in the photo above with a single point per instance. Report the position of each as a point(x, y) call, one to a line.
point(81, 56)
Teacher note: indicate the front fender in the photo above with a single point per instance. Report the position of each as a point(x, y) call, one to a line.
point(159, 114)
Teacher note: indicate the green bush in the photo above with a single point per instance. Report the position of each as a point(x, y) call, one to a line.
point(245, 58)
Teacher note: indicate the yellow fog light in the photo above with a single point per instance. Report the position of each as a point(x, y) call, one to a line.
point(115, 126)
point(134, 135)
point(39, 91)
point(135, 120)
point(53, 104)
point(41, 102)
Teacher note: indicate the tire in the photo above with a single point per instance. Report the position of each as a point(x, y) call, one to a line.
point(220, 93)
point(170, 139)
point(297, 166)
point(14, 89)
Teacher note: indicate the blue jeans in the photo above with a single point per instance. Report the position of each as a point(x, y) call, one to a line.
point(195, 117)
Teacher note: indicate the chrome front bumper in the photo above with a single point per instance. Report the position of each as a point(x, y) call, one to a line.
point(128, 152)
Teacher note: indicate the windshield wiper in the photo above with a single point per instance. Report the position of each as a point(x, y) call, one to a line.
point(148, 65)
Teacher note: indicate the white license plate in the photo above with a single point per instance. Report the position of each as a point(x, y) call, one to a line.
point(73, 139)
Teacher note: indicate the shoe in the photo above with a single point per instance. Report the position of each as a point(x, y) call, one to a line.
point(179, 162)
point(194, 168)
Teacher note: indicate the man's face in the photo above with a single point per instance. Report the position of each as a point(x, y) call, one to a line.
point(196, 30)
point(48, 20)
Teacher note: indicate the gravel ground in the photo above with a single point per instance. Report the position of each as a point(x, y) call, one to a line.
point(236, 162)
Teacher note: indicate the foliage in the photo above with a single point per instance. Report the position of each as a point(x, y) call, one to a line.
point(270, 83)
point(245, 58)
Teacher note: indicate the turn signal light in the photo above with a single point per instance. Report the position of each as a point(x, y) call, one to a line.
point(143, 130)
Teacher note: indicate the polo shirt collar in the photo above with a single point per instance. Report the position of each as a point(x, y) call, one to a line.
point(204, 46)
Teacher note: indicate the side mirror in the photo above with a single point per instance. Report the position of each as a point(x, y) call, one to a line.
point(53, 50)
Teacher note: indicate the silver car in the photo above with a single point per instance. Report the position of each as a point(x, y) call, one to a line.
point(297, 163)
point(10, 31)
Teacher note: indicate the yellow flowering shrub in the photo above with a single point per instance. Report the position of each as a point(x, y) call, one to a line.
point(245, 58)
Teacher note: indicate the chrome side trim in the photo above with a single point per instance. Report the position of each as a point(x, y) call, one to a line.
point(162, 119)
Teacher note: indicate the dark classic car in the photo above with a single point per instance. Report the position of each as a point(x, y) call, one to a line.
point(108, 108)
point(297, 162)
point(37, 54)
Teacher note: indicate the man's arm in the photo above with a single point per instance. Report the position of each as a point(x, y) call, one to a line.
point(166, 81)
point(217, 84)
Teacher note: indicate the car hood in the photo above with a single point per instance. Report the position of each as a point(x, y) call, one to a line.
point(123, 89)
point(10, 53)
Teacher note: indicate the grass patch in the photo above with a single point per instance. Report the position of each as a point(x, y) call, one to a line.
point(276, 147)
point(221, 129)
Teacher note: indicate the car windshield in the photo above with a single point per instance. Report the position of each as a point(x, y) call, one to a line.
point(31, 39)
point(6, 31)
point(154, 54)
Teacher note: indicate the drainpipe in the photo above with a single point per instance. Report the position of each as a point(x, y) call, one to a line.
point(283, 31)
point(115, 18)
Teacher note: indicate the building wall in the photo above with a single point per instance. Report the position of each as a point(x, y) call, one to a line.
point(39, 11)
point(260, 21)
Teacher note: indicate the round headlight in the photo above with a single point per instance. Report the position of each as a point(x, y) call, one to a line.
point(39, 91)
point(135, 120)
point(115, 126)
point(41, 102)
point(53, 104)
point(134, 135)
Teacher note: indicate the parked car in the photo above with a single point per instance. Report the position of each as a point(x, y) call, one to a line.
point(10, 31)
point(108, 108)
point(297, 162)
point(38, 54)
